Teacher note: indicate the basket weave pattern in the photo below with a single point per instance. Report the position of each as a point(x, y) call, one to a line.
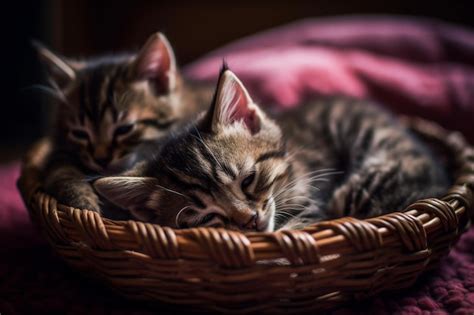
point(289, 271)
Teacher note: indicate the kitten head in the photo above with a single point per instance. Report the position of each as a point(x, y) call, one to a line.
point(109, 105)
point(224, 171)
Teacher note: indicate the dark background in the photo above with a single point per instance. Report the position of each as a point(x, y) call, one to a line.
point(84, 28)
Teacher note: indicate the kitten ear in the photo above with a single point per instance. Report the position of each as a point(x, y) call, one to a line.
point(58, 68)
point(232, 103)
point(127, 192)
point(157, 64)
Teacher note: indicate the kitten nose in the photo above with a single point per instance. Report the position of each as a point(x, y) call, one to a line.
point(252, 224)
point(246, 219)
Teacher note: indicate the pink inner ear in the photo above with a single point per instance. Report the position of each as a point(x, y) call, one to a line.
point(244, 113)
point(154, 64)
point(241, 110)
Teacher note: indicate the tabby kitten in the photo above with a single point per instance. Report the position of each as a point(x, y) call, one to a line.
point(237, 168)
point(107, 106)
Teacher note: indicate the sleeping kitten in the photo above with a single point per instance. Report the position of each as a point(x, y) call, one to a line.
point(237, 168)
point(106, 107)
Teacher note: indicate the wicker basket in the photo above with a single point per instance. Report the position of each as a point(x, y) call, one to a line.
point(216, 269)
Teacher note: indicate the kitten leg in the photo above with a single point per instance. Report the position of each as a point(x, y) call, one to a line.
point(70, 187)
point(362, 194)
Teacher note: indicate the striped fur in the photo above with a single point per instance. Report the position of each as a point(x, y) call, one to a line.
point(237, 168)
point(106, 107)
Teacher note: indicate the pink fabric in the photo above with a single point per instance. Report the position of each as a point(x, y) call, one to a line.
point(15, 227)
point(417, 67)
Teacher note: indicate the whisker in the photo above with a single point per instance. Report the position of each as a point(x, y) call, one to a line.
point(303, 179)
point(291, 208)
point(292, 205)
point(179, 213)
point(292, 198)
point(287, 214)
point(300, 179)
point(172, 191)
point(313, 187)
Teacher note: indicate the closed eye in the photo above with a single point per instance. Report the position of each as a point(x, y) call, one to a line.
point(215, 219)
point(207, 218)
point(164, 124)
point(80, 134)
point(247, 181)
point(123, 130)
point(261, 188)
point(158, 124)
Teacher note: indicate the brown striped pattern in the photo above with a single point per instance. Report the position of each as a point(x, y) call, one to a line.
point(106, 112)
point(231, 272)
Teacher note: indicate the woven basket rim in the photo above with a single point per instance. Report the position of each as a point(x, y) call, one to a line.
point(456, 140)
point(422, 223)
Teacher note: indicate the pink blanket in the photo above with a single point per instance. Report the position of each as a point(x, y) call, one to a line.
point(417, 67)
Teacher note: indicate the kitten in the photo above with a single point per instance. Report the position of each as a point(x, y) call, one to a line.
point(106, 107)
point(235, 167)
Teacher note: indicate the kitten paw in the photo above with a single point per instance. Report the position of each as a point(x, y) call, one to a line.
point(86, 204)
point(82, 202)
point(360, 195)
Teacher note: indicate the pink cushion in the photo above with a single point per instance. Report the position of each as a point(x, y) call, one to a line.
point(418, 67)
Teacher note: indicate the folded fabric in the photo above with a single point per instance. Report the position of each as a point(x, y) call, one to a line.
point(413, 66)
